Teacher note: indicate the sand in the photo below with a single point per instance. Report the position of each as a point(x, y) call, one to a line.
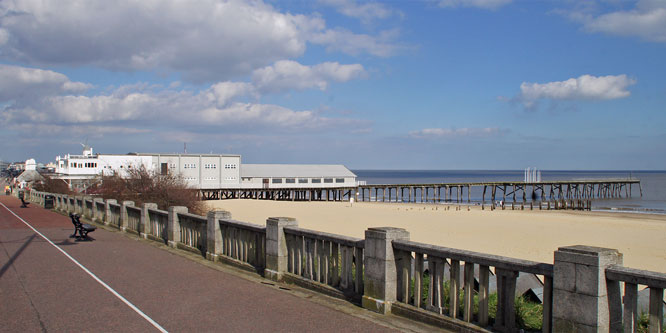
point(532, 235)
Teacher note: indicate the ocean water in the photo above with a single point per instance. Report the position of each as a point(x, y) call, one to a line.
point(653, 183)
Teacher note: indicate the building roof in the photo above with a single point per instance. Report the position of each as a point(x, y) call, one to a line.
point(295, 170)
point(29, 176)
point(179, 154)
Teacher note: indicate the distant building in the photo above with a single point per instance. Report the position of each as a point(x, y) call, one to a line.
point(203, 171)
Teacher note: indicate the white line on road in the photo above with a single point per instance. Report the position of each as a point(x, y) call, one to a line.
point(132, 306)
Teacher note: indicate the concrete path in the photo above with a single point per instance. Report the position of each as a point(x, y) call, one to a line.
point(41, 289)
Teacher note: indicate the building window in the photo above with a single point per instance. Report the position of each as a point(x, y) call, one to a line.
point(302, 180)
point(328, 180)
point(339, 180)
point(290, 181)
point(316, 180)
point(277, 180)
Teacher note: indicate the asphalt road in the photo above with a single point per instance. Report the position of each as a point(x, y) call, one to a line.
point(41, 289)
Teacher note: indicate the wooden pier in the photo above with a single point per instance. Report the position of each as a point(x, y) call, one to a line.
point(562, 194)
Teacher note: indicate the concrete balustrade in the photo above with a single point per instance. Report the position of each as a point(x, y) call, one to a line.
point(582, 289)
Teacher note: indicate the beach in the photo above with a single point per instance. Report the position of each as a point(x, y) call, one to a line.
point(524, 234)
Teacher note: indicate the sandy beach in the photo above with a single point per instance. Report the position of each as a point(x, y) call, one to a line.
point(532, 235)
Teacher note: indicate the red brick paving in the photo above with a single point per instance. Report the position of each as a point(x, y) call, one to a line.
point(42, 290)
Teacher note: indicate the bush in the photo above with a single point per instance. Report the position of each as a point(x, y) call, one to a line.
point(141, 186)
point(52, 185)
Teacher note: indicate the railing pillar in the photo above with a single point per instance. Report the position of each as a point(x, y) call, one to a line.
point(380, 280)
point(213, 233)
point(124, 219)
point(107, 210)
point(145, 218)
point(173, 227)
point(276, 246)
point(580, 296)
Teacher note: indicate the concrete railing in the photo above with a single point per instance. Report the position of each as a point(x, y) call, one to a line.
point(478, 268)
point(584, 289)
point(328, 259)
point(192, 233)
point(241, 243)
point(133, 219)
point(624, 312)
point(155, 226)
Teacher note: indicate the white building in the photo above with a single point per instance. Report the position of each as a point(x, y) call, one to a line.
point(204, 171)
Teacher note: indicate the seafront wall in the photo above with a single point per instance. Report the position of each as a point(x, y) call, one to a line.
point(584, 288)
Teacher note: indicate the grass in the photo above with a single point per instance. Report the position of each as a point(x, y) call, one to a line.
point(644, 322)
point(529, 315)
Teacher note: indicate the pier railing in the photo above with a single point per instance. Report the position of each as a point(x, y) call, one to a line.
point(328, 259)
point(584, 289)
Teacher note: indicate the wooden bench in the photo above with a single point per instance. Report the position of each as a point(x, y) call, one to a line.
point(24, 204)
point(81, 228)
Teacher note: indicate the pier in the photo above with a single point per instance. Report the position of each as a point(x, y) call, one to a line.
point(557, 194)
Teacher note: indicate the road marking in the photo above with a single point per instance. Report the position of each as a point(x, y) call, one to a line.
point(132, 306)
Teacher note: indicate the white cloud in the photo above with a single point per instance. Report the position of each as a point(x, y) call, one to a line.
point(585, 87)
point(646, 21)
point(140, 108)
point(434, 133)
point(483, 4)
point(21, 83)
point(365, 12)
point(209, 41)
point(345, 41)
point(286, 75)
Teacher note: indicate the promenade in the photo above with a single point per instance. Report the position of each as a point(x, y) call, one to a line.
point(42, 289)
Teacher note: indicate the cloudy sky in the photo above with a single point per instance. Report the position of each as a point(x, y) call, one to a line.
point(450, 84)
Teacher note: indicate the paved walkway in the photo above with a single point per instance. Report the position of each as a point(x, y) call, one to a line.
point(41, 289)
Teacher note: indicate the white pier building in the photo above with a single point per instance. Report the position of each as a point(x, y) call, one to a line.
point(204, 171)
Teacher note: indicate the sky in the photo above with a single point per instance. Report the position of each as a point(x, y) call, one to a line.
point(447, 84)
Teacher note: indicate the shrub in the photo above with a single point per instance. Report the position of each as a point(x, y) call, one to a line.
point(141, 186)
point(52, 185)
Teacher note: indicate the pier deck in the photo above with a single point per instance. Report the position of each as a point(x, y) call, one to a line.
point(558, 193)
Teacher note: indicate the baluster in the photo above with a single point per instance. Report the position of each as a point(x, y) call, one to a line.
point(656, 309)
point(335, 253)
point(403, 266)
point(350, 261)
point(506, 289)
point(299, 256)
point(484, 273)
point(547, 323)
point(454, 288)
point(469, 291)
point(308, 264)
point(326, 248)
point(290, 253)
point(317, 258)
point(418, 277)
point(358, 288)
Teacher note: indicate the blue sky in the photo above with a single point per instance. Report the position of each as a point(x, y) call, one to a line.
point(450, 84)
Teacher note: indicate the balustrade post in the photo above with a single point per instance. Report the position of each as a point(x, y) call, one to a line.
point(380, 280)
point(145, 219)
point(124, 218)
point(214, 234)
point(277, 254)
point(173, 227)
point(580, 294)
point(107, 208)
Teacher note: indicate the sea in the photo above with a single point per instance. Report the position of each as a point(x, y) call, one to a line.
point(653, 183)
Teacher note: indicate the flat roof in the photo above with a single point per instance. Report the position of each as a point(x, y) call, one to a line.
point(182, 155)
point(295, 170)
